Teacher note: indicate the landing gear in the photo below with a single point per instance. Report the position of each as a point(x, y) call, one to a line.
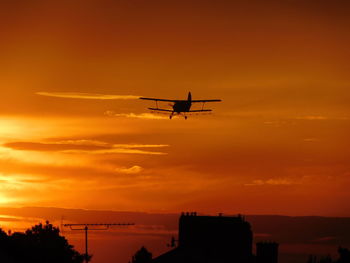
point(171, 115)
point(185, 117)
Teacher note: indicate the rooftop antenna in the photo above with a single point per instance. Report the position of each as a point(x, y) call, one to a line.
point(87, 227)
point(173, 242)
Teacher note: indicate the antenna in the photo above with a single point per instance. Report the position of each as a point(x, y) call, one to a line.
point(62, 230)
point(87, 227)
point(173, 242)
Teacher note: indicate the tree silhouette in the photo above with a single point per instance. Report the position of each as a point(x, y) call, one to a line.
point(40, 244)
point(344, 255)
point(326, 259)
point(142, 256)
point(312, 259)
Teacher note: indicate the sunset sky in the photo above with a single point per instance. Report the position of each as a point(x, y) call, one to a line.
point(73, 133)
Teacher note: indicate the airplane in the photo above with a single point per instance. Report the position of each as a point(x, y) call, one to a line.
point(180, 106)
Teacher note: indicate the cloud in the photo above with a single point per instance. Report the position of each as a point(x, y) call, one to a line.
point(312, 117)
point(293, 121)
point(90, 96)
point(55, 146)
point(82, 142)
point(273, 181)
point(6, 218)
point(85, 146)
point(325, 239)
point(18, 181)
point(140, 145)
point(150, 116)
point(131, 170)
point(115, 150)
point(320, 118)
point(310, 140)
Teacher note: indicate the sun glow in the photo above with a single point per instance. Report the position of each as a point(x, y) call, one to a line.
point(4, 200)
point(9, 127)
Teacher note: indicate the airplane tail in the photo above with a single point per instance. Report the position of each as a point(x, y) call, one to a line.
point(189, 98)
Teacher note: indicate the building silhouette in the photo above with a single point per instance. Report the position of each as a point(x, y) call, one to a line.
point(216, 239)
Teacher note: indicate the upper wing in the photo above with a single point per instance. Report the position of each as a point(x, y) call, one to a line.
point(205, 100)
point(143, 98)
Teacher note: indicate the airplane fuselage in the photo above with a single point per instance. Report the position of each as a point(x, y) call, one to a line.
point(182, 106)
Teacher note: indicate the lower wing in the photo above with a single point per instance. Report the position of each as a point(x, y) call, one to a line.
point(157, 109)
point(198, 110)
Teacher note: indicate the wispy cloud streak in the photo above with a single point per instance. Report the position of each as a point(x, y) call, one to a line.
point(131, 170)
point(320, 118)
point(89, 96)
point(85, 146)
point(274, 181)
point(140, 145)
point(149, 116)
point(114, 150)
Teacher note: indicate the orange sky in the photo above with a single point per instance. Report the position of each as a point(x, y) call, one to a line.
point(277, 144)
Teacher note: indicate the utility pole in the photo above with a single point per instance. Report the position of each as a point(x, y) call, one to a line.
point(87, 227)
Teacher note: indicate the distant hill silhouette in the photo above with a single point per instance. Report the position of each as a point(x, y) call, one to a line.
point(298, 229)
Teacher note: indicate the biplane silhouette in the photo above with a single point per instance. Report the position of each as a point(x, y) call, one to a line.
point(180, 106)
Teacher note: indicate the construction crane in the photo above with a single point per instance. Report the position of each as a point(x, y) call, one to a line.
point(87, 227)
